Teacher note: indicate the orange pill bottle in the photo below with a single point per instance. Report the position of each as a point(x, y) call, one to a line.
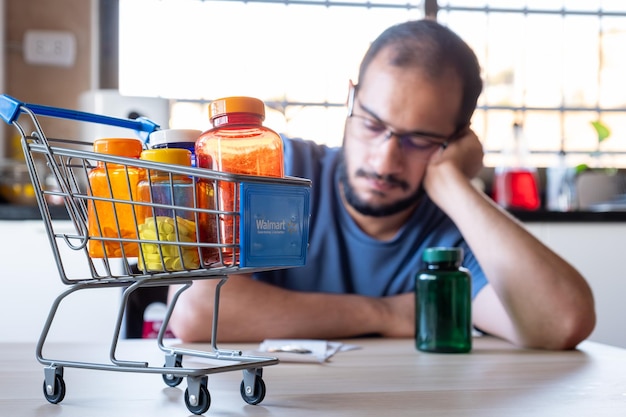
point(110, 221)
point(238, 143)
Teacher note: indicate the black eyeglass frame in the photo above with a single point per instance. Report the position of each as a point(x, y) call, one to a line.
point(391, 132)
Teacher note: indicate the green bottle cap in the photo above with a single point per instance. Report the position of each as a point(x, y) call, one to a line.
point(442, 254)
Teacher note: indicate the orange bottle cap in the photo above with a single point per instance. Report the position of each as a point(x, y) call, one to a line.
point(227, 105)
point(128, 147)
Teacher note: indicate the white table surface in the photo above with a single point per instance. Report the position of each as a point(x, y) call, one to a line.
point(385, 377)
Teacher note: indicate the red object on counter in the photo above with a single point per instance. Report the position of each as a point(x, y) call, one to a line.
point(516, 189)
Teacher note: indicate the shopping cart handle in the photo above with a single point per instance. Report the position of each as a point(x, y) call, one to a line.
point(10, 109)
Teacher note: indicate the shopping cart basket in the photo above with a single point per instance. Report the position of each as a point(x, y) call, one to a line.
point(59, 170)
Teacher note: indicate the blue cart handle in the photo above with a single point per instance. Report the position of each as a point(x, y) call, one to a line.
point(10, 110)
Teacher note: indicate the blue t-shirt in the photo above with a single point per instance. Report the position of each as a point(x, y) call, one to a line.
point(343, 259)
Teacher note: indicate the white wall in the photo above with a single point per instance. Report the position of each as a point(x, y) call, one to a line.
point(31, 282)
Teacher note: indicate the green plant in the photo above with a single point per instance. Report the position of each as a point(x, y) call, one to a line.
point(603, 133)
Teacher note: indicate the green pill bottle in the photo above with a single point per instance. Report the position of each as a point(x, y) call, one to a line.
point(443, 302)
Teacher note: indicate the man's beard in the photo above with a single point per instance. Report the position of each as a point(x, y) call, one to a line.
point(368, 209)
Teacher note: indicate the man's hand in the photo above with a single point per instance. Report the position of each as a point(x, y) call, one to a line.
point(465, 153)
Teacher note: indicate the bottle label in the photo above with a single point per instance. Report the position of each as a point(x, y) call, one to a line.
point(274, 226)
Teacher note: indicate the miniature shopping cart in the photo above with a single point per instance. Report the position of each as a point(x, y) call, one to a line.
point(59, 170)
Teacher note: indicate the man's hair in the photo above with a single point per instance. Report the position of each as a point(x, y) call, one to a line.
point(433, 48)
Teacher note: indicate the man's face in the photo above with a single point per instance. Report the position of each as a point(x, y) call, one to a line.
point(400, 118)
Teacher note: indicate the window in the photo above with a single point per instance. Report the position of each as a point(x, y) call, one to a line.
point(297, 56)
point(553, 65)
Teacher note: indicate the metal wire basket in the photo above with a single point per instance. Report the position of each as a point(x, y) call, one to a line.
point(166, 243)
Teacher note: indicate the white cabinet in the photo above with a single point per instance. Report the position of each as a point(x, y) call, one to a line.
point(598, 251)
point(31, 282)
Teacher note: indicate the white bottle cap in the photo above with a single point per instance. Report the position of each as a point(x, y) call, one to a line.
point(160, 137)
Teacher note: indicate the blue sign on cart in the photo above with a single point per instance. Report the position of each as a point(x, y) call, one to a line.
point(274, 226)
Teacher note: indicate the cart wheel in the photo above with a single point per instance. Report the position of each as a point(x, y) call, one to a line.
point(259, 392)
point(57, 393)
point(203, 403)
point(170, 379)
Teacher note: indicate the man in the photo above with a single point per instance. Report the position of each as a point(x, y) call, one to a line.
point(400, 183)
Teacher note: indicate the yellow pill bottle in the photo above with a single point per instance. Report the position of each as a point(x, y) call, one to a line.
point(168, 223)
point(112, 219)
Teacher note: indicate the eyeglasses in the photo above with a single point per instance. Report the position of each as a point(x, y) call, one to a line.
point(369, 129)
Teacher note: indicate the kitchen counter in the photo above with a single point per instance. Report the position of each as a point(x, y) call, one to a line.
point(584, 239)
point(570, 216)
point(17, 212)
point(22, 212)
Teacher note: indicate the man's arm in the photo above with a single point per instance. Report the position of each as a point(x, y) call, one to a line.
point(251, 311)
point(535, 298)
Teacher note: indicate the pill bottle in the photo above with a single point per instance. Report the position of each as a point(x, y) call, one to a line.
point(169, 219)
point(153, 317)
point(175, 138)
point(108, 221)
point(443, 321)
point(237, 143)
